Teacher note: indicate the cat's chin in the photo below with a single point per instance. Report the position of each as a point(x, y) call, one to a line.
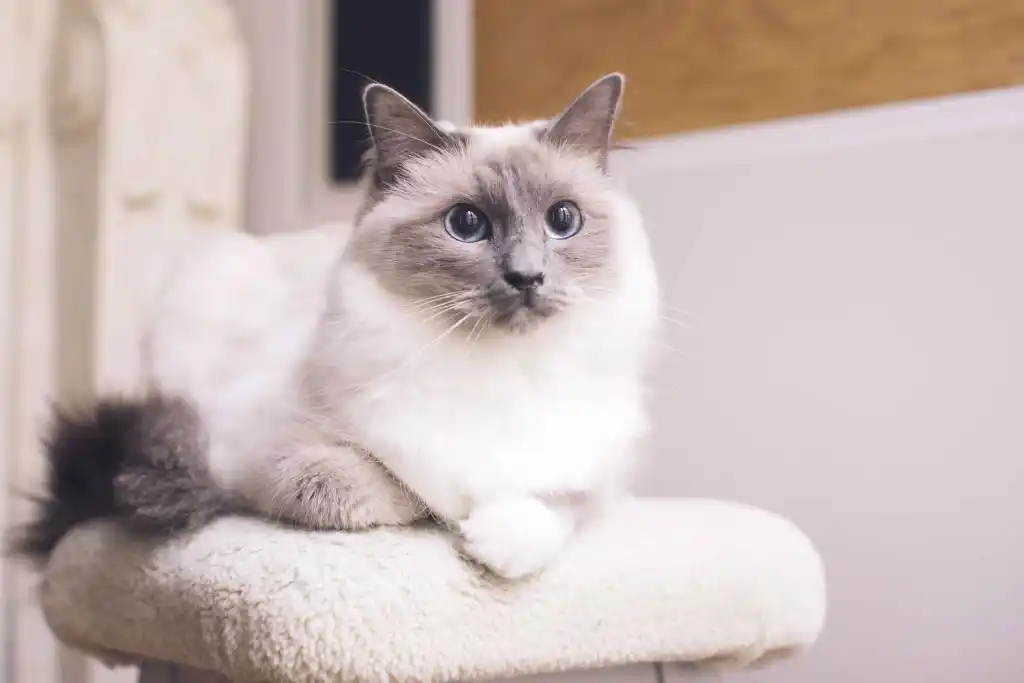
point(520, 316)
point(522, 320)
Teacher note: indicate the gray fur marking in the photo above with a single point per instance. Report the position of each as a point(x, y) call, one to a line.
point(165, 483)
point(142, 460)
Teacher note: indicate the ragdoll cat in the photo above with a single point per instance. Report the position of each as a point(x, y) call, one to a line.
point(476, 353)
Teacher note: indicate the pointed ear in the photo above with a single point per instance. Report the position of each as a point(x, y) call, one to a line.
point(588, 122)
point(399, 130)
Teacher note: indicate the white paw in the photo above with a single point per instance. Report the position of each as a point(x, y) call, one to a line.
point(515, 537)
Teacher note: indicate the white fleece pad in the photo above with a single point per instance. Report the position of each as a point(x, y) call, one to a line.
point(657, 580)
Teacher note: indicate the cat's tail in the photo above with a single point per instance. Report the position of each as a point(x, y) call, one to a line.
point(143, 460)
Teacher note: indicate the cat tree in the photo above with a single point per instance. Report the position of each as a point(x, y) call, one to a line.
point(149, 123)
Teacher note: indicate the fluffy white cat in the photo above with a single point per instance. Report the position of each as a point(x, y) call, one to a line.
point(474, 350)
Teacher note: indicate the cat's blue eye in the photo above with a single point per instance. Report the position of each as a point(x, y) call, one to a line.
point(467, 223)
point(564, 220)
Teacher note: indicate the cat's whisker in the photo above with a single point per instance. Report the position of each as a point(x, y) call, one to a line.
point(448, 331)
point(469, 337)
point(672, 349)
point(676, 309)
point(437, 310)
point(442, 304)
point(422, 303)
point(411, 496)
point(393, 130)
point(371, 81)
point(666, 318)
point(423, 117)
point(483, 329)
point(462, 299)
point(443, 295)
point(410, 359)
point(445, 309)
point(680, 323)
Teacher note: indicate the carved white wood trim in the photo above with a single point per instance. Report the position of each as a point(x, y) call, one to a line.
point(122, 135)
point(150, 149)
point(26, 226)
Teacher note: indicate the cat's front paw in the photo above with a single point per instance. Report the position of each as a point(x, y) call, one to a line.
point(515, 538)
point(332, 487)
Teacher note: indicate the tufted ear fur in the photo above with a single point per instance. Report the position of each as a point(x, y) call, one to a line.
point(588, 122)
point(400, 131)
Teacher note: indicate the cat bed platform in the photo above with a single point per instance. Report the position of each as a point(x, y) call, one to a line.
point(654, 581)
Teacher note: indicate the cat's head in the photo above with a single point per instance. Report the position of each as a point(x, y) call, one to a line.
point(507, 226)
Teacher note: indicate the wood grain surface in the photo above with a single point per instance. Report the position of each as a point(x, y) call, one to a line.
point(695, 64)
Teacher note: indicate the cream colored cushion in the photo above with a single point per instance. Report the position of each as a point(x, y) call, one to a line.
point(657, 580)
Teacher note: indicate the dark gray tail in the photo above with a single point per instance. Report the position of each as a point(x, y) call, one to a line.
point(141, 460)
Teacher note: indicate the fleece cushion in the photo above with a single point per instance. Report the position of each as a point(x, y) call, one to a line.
point(654, 581)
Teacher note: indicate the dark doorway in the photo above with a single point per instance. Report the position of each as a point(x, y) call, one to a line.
point(389, 41)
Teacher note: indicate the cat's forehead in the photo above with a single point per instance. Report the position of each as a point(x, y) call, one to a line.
point(506, 161)
point(490, 141)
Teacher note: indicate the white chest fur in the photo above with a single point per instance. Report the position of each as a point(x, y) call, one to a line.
point(552, 412)
point(464, 431)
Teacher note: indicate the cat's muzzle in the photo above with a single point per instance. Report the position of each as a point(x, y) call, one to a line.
point(519, 309)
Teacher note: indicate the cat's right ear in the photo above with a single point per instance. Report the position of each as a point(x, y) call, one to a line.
point(399, 130)
point(588, 122)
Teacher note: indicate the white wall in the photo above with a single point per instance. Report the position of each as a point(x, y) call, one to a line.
point(855, 288)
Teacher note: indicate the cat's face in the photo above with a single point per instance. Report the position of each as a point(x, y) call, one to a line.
point(494, 227)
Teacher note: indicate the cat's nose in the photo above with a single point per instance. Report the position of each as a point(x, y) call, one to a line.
point(523, 281)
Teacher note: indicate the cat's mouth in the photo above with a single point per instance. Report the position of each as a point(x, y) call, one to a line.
point(519, 311)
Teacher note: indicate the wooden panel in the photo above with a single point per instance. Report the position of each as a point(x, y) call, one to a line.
point(702, 63)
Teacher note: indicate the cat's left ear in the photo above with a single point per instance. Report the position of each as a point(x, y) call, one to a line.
point(588, 122)
point(400, 130)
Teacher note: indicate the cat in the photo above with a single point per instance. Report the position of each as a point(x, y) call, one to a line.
point(474, 351)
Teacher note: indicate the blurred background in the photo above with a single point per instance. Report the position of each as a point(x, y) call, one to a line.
point(833, 189)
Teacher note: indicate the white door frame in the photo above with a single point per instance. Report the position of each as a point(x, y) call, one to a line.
point(287, 186)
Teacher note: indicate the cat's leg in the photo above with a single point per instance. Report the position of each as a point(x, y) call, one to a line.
point(334, 486)
point(518, 536)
